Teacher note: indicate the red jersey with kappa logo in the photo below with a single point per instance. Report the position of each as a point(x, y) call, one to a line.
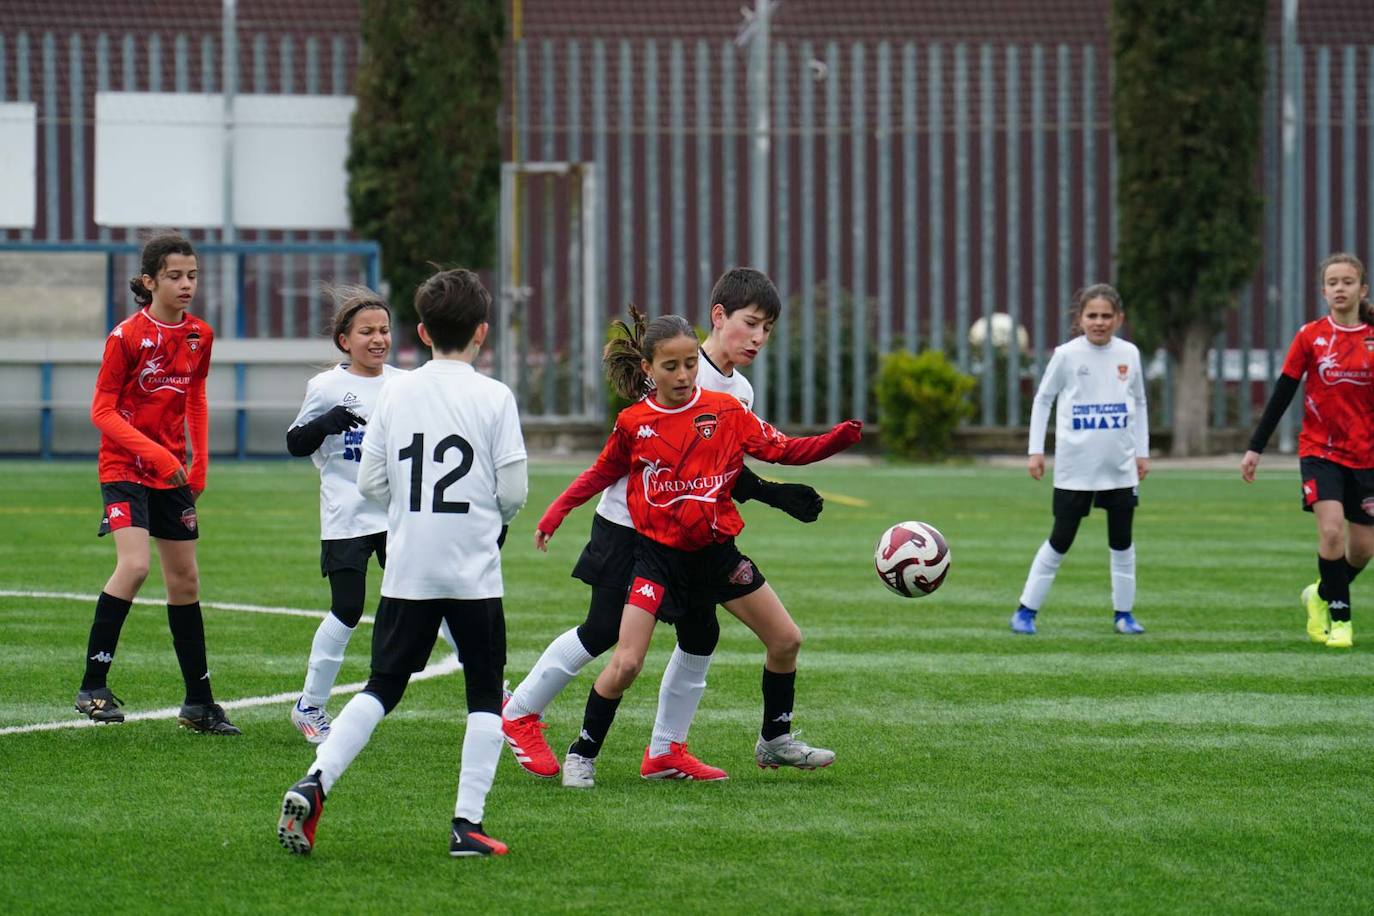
point(150, 387)
point(683, 463)
point(1338, 398)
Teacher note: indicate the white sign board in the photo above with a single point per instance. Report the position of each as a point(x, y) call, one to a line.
point(160, 160)
point(18, 164)
point(290, 153)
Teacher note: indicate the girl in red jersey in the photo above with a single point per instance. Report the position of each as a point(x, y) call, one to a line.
point(150, 391)
point(1336, 447)
point(683, 447)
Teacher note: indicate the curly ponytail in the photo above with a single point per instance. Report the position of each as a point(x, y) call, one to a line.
point(631, 345)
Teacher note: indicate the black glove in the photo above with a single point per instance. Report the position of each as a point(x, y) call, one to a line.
point(796, 499)
point(501, 538)
point(337, 419)
point(308, 437)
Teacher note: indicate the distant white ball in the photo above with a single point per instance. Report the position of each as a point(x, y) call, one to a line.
point(912, 559)
point(1001, 332)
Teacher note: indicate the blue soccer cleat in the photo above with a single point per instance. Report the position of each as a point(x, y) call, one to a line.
point(1023, 621)
point(1125, 623)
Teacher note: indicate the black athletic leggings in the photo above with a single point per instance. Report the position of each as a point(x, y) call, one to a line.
point(1118, 529)
point(696, 634)
point(347, 592)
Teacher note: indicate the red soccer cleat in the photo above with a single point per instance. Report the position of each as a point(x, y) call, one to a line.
point(678, 763)
point(525, 736)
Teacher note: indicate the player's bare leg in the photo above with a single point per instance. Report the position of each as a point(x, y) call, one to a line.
point(763, 612)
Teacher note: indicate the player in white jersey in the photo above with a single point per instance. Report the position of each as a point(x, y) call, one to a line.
point(745, 306)
point(330, 429)
point(1102, 450)
point(445, 455)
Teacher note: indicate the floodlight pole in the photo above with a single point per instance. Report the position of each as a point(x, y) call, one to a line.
point(229, 306)
point(1291, 269)
point(755, 35)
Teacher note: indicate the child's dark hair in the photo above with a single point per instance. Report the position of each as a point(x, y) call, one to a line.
point(631, 344)
point(1345, 257)
point(154, 259)
point(348, 302)
point(741, 287)
point(1088, 294)
point(452, 304)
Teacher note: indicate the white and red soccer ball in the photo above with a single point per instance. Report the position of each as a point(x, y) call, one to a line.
point(912, 559)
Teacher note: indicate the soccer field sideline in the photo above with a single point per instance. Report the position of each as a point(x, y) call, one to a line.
point(437, 669)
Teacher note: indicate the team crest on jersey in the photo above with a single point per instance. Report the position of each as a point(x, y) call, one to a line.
point(1369, 344)
point(1367, 504)
point(1122, 370)
point(705, 424)
point(193, 341)
point(188, 518)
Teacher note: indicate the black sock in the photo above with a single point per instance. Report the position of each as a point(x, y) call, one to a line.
point(1351, 572)
point(779, 693)
point(188, 639)
point(1334, 588)
point(596, 721)
point(100, 647)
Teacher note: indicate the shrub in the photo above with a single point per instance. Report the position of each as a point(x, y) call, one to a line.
point(921, 399)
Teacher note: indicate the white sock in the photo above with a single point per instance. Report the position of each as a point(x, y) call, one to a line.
point(347, 736)
point(1041, 576)
point(452, 643)
point(481, 752)
point(1123, 579)
point(326, 655)
point(556, 668)
point(679, 694)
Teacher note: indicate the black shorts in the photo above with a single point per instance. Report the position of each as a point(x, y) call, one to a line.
point(671, 584)
point(1078, 503)
point(166, 514)
point(352, 553)
point(609, 557)
point(404, 633)
point(1353, 488)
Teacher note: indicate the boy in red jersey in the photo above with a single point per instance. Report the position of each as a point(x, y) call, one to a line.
point(150, 390)
point(683, 448)
point(1336, 447)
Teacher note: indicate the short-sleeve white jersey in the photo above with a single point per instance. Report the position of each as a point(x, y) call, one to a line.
point(613, 506)
point(442, 431)
point(344, 512)
point(1101, 424)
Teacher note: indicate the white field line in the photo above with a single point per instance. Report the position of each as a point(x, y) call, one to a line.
point(438, 669)
point(212, 605)
point(448, 665)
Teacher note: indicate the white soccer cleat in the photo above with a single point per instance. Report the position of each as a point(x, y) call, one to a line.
point(789, 751)
point(579, 772)
point(311, 721)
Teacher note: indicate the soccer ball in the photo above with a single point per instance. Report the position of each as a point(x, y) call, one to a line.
point(1001, 333)
point(912, 559)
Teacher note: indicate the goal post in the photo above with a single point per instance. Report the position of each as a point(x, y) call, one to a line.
point(550, 310)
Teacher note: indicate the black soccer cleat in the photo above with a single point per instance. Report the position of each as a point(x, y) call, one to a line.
point(99, 705)
point(467, 839)
point(207, 718)
point(300, 815)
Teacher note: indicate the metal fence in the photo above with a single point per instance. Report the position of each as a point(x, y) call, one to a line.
point(911, 190)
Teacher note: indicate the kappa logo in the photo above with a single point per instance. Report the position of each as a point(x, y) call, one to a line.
point(1319, 342)
point(103, 657)
point(646, 432)
point(1084, 370)
point(116, 512)
point(585, 736)
point(785, 718)
point(118, 332)
point(147, 344)
point(117, 516)
point(647, 591)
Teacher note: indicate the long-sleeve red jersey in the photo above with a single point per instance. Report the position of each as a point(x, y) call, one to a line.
point(150, 391)
point(683, 463)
